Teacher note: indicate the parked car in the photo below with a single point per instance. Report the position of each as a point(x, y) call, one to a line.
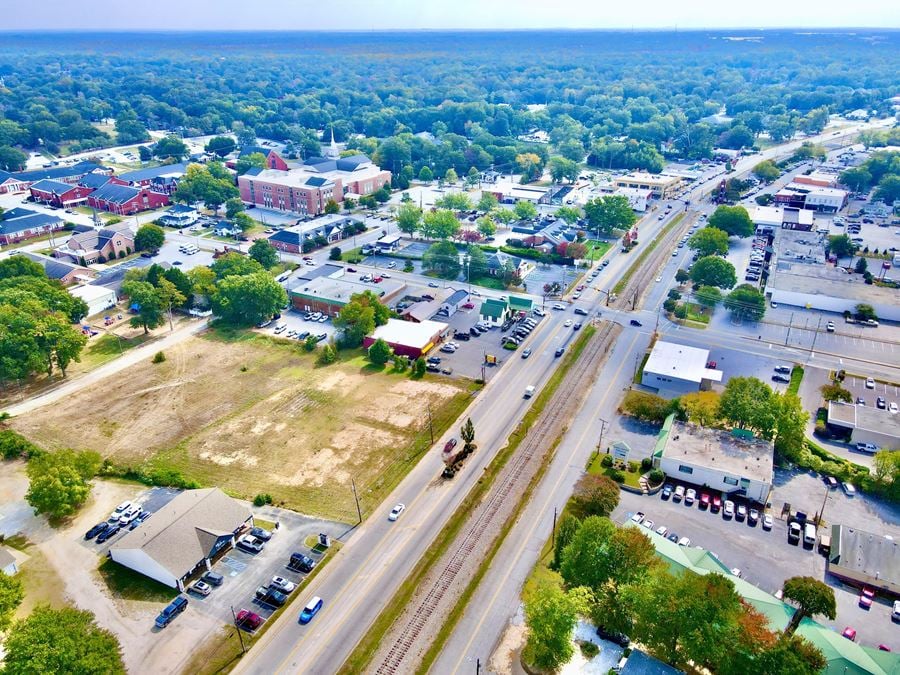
point(849, 633)
point(666, 492)
point(716, 504)
point(753, 517)
point(250, 544)
point(679, 494)
point(95, 530)
point(108, 533)
point(271, 596)
point(173, 609)
point(261, 534)
point(782, 369)
point(201, 588)
point(312, 608)
point(741, 512)
point(662, 530)
point(213, 578)
point(638, 517)
point(728, 509)
point(684, 541)
point(248, 620)
point(784, 379)
point(635, 322)
point(690, 496)
point(618, 638)
point(282, 585)
point(704, 500)
point(870, 383)
point(673, 537)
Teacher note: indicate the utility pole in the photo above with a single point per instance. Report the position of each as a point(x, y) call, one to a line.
point(356, 497)
point(477, 666)
point(430, 425)
point(603, 424)
point(790, 324)
point(821, 515)
point(815, 335)
point(240, 637)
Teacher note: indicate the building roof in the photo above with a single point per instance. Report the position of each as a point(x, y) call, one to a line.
point(56, 187)
point(6, 558)
point(297, 178)
point(58, 172)
point(736, 455)
point(6, 176)
point(866, 418)
point(19, 220)
point(55, 268)
point(345, 164)
point(182, 532)
point(154, 172)
point(93, 180)
point(337, 290)
point(251, 149)
point(828, 281)
point(89, 293)
point(518, 303)
point(493, 308)
point(92, 240)
point(409, 333)
point(872, 555)
point(517, 191)
point(681, 362)
point(457, 297)
point(648, 178)
point(117, 194)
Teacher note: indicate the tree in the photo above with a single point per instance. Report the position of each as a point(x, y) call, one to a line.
point(477, 262)
point(243, 221)
point(379, 352)
point(255, 160)
point(888, 189)
point(862, 265)
point(149, 237)
point(409, 217)
point(570, 214)
point(450, 176)
point(327, 355)
point(467, 434)
point(833, 391)
point(209, 184)
point(12, 159)
point(264, 253)
point(487, 203)
point(419, 367)
point(145, 303)
point(886, 467)
point(732, 219)
point(234, 263)
point(335, 253)
point(562, 168)
point(442, 259)
point(11, 596)
point(525, 210)
point(145, 152)
point(221, 145)
point(595, 495)
point(746, 403)
point(233, 207)
point(505, 216)
point(359, 316)
point(812, 597)
point(455, 201)
point(841, 246)
point(790, 425)
point(864, 312)
point(203, 280)
point(708, 296)
point(426, 175)
point(746, 302)
point(701, 407)
point(440, 224)
point(65, 640)
point(170, 147)
point(709, 241)
point(550, 615)
point(332, 207)
point(714, 271)
point(486, 226)
point(682, 275)
point(128, 129)
point(169, 297)
point(857, 179)
point(58, 482)
point(608, 213)
point(767, 171)
point(247, 299)
point(792, 655)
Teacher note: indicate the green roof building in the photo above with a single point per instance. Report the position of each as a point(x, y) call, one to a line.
point(494, 311)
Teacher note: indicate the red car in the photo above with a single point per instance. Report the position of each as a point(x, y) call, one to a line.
point(865, 601)
point(579, 288)
point(716, 504)
point(248, 620)
point(377, 280)
point(849, 633)
point(704, 500)
point(449, 445)
point(469, 305)
point(884, 648)
point(711, 364)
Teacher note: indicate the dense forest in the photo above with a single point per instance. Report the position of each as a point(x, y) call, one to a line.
point(614, 99)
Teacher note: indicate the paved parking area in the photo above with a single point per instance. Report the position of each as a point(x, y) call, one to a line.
point(296, 322)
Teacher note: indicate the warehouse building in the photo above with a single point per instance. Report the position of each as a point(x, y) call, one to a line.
point(183, 536)
point(733, 463)
point(97, 298)
point(408, 338)
point(867, 424)
point(674, 369)
point(329, 294)
point(865, 559)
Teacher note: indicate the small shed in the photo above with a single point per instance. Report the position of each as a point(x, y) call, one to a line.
point(97, 298)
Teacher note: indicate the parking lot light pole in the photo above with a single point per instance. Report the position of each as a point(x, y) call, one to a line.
point(356, 497)
point(240, 637)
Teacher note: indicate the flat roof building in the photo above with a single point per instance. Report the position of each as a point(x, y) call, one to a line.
point(328, 294)
point(509, 193)
point(97, 298)
point(772, 218)
point(183, 536)
point(866, 559)
point(868, 424)
point(408, 338)
point(674, 369)
point(662, 186)
point(638, 199)
point(733, 463)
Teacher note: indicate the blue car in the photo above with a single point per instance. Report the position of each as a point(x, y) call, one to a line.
point(312, 608)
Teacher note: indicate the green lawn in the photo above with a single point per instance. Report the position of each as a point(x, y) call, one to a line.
point(105, 348)
point(596, 248)
point(596, 468)
point(127, 584)
point(489, 282)
point(796, 379)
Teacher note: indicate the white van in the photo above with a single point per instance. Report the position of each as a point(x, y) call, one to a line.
point(809, 534)
point(849, 490)
point(529, 391)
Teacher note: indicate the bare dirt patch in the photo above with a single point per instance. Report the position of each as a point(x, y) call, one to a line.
point(255, 415)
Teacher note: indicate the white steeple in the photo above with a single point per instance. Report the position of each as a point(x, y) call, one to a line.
point(333, 152)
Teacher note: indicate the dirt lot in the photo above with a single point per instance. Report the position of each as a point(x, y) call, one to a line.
point(251, 414)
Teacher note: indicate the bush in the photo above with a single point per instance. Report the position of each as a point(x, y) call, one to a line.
point(607, 461)
point(13, 445)
point(588, 649)
point(165, 477)
point(647, 407)
point(262, 499)
point(158, 357)
point(617, 476)
point(656, 477)
point(633, 467)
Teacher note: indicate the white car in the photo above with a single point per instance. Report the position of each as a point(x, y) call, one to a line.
point(684, 541)
point(829, 326)
point(282, 584)
point(892, 407)
point(658, 279)
point(391, 265)
point(122, 508)
point(638, 517)
point(728, 509)
point(870, 383)
point(559, 306)
point(648, 524)
point(690, 496)
point(397, 511)
point(767, 522)
point(568, 323)
point(675, 252)
point(736, 571)
point(127, 517)
point(662, 530)
point(201, 588)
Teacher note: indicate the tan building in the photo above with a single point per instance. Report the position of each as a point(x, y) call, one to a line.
point(660, 185)
point(91, 246)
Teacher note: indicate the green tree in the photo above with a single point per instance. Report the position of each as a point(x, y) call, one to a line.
point(747, 403)
point(833, 391)
point(550, 615)
point(12, 159)
point(746, 302)
point(857, 179)
point(243, 221)
point(595, 495)
point(419, 367)
point(65, 640)
point(233, 207)
point(128, 129)
point(255, 160)
point(608, 213)
point(790, 655)
point(440, 224)
point(888, 189)
point(169, 298)
point(170, 147)
point(409, 217)
point(477, 262)
point(221, 145)
point(442, 258)
point(862, 265)
point(714, 271)
point(525, 210)
point(146, 304)
point(11, 596)
point(767, 171)
point(708, 296)
point(811, 597)
point(486, 226)
point(356, 320)
point(450, 176)
point(570, 214)
point(247, 299)
point(264, 253)
point(709, 241)
point(149, 237)
point(332, 207)
point(379, 352)
point(841, 246)
point(455, 201)
point(864, 312)
point(205, 184)
point(886, 467)
point(732, 219)
point(568, 526)
point(487, 203)
point(563, 169)
point(335, 253)
point(790, 425)
point(467, 434)
point(58, 482)
point(505, 216)
point(234, 264)
point(701, 407)
point(426, 175)
point(327, 356)
point(203, 280)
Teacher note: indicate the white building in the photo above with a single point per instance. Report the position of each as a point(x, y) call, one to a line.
point(510, 193)
point(675, 369)
point(734, 463)
point(97, 298)
point(661, 185)
point(183, 536)
point(638, 199)
point(868, 424)
point(8, 564)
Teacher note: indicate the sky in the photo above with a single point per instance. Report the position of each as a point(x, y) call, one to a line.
point(443, 14)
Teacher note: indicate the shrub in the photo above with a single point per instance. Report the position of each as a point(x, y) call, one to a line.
point(607, 461)
point(13, 445)
point(158, 357)
point(656, 477)
point(262, 499)
point(632, 467)
point(588, 649)
point(647, 407)
point(617, 476)
point(122, 254)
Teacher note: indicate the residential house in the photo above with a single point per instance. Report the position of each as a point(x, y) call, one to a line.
point(126, 200)
point(64, 272)
point(225, 229)
point(92, 246)
point(179, 216)
point(331, 227)
point(58, 194)
point(19, 224)
point(493, 311)
point(498, 262)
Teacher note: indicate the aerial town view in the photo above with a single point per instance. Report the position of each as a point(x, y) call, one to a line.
point(501, 337)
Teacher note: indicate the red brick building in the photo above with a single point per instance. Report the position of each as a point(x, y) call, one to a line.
point(126, 200)
point(59, 194)
point(273, 159)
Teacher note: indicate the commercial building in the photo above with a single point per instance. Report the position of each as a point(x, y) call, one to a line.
point(661, 186)
point(865, 559)
point(59, 194)
point(510, 193)
point(60, 270)
point(457, 299)
point(493, 311)
point(638, 199)
point(22, 180)
point(675, 369)
point(328, 294)
point(273, 159)
point(408, 338)
point(828, 179)
point(19, 224)
point(332, 228)
point(734, 463)
point(814, 197)
point(770, 219)
point(97, 298)
point(867, 424)
point(819, 286)
point(183, 536)
point(126, 200)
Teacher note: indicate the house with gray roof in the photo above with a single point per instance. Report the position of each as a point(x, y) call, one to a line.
point(91, 246)
point(19, 224)
point(55, 268)
point(183, 537)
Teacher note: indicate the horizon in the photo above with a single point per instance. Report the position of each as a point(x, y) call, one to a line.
point(836, 30)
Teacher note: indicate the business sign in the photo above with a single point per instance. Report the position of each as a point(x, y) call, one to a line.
point(620, 451)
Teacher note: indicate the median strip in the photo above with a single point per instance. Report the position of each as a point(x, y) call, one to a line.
point(623, 282)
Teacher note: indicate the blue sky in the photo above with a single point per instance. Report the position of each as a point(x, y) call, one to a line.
point(437, 14)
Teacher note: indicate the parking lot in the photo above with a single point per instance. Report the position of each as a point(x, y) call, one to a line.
point(765, 558)
point(298, 328)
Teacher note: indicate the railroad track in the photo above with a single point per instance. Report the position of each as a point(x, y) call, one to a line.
point(512, 481)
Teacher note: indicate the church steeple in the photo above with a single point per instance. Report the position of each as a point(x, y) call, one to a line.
point(333, 152)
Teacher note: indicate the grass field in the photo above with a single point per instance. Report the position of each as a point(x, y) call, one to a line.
point(596, 248)
point(253, 414)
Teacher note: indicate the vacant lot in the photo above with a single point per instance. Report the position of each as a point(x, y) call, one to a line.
point(251, 415)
